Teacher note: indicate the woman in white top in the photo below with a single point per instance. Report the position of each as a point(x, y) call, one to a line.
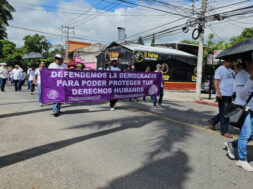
point(244, 88)
point(4, 74)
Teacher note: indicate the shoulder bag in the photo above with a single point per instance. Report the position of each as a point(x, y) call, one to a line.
point(236, 114)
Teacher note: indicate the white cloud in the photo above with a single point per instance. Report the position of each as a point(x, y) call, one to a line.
point(104, 28)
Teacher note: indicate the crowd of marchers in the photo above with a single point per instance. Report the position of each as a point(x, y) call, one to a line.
point(227, 82)
point(230, 85)
point(17, 77)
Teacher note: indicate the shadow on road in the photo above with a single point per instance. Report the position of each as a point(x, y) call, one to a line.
point(170, 172)
point(26, 102)
point(44, 109)
point(183, 113)
point(157, 171)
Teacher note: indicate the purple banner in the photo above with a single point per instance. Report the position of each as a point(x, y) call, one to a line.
point(79, 86)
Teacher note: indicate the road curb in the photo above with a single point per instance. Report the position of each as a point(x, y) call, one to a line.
point(207, 103)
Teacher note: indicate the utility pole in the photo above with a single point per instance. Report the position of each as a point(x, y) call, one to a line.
point(200, 51)
point(66, 30)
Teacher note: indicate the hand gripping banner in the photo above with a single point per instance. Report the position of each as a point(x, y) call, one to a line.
point(78, 86)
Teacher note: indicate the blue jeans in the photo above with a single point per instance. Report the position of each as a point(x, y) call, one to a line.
point(56, 107)
point(32, 86)
point(245, 136)
point(220, 116)
point(39, 92)
point(17, 84)
point(154, 99)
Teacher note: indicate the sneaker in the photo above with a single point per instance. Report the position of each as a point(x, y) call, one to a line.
point(245, 165)
point(112, 109)
point(31, 93)
point(41, 105)
point(159, 106)
point(230, 149)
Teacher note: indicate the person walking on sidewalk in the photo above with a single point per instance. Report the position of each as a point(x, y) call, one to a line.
point(244, 88)
point(16, 76)
point(113, 67)
point(23, 79)
point(4, 74)
point(224, 85)
point(58, 64)
point(154, 99)
point(37, 80)
point(30, 77)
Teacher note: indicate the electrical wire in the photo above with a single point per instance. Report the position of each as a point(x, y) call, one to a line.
point(47, 33)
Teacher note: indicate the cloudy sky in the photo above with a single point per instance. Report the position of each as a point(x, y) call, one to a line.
point(97, 20)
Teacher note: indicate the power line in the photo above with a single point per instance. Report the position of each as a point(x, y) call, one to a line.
point(47, 33)
point(94, 16)
point(226, 15)
point(152, 8)
point(72, 20)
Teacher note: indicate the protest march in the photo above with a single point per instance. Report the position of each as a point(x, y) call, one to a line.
point(77, 86)
point(126, 94)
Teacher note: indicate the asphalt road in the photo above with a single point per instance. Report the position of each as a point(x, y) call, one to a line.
point(135, 147)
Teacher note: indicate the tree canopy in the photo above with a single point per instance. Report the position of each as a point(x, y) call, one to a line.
point(5, 16)
point(9, 53)
point(140, 41)
point(153, 40)
point(36, 43)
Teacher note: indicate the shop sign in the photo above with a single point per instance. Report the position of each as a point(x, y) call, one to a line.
point(111, 56)
point(141, 56)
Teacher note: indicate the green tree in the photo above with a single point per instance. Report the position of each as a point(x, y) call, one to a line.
point(140, 41)
point(59, 49)
point(49, 58)
point(5, 16)
point(153, 40)
point(9, 53)
point(36, 43)
point(190, 42)
point(247, 33)
point(210, 38)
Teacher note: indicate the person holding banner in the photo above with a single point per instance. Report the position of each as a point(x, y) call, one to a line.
point(58, 64)
point(154, 99)
point(113, 67)
point(37, 80)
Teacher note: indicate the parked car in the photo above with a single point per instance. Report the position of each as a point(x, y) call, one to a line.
point(205, 87)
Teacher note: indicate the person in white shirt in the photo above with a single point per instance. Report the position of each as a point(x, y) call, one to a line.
point(17, 76)
point(37, 80)
point(244, 88)
point(113, 67)
point(224, 85)
point(4, 74)
point(153, 98)
point(30, 77)
point(58, 64)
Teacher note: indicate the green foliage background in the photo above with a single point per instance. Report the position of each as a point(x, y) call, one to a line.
point(12, 55)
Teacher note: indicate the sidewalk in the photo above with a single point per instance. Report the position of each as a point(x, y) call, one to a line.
point(189, 96)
